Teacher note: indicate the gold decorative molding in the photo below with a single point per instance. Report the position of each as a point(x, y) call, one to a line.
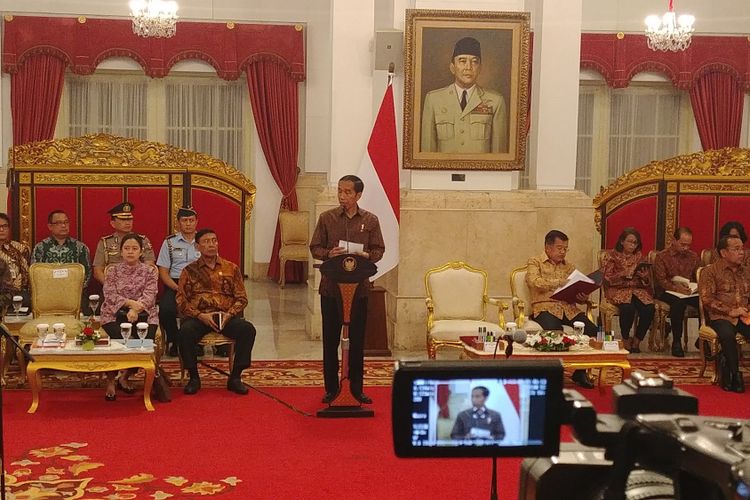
point(670, 217)
point(727, 162)
point(230, 25)
point(217, 185)
point(671, 187)
point(110, 179)
point(651, 172)
point(81, 19)
point(24, 178)
point(632, 194)
point(713, 187)
point(598, 221)
point(620, 35)
point(177, 179)
point(25, 215)
point(176, 201)
point(8, 17)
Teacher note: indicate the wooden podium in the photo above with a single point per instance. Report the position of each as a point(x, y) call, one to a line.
point(348, 271)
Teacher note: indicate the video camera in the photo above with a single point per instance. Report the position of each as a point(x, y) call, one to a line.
point(655, 446)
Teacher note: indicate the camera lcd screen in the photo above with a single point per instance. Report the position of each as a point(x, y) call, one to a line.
point(470, 409)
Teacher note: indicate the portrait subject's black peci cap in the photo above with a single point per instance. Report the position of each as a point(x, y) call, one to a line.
point(467, 46)
point(123, 211)
point(186, 212)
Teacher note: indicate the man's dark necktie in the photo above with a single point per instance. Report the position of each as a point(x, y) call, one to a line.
point(463, 100)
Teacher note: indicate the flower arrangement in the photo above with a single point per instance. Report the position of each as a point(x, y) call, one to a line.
point(88, 337)
point(550, 341)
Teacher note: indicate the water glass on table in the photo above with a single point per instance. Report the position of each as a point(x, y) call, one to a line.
point(41, 331)
point(125, 329)
point(142, 330)
point(17, 302)
point(59, 330)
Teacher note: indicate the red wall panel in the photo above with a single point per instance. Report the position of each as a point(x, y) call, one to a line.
point(47, 199)
point(735, 208)
point(698, 212)
point(641, 214)
point(223, 216)
point(95, 202)
point(152, 216)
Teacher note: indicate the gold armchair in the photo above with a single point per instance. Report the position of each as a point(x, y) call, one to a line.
point(522, 302)
point(295, 235)
point(55, 298)
point(708, 335)
point(457, 305)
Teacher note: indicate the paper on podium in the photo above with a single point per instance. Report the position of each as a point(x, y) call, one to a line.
point(578, 283)
point(352, 247)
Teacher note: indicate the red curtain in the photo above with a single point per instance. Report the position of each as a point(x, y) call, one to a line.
point(717, 100)
point(35, 92)
point(273, 95)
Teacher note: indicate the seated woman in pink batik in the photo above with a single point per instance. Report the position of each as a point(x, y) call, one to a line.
point(130, 288)
point(627, 284)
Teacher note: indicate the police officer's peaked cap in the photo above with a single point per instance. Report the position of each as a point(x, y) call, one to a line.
point(467, 46)
point(123, 211)
point(186, 212)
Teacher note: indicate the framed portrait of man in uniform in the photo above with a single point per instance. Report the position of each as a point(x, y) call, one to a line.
point(466, 98)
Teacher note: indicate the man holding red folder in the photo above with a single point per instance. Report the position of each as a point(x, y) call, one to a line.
point(546, 274)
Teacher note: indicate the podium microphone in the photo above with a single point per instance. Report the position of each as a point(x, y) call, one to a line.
point(518, 336)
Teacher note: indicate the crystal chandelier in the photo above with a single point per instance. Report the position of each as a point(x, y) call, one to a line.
point(154, 18)
point(669, 32)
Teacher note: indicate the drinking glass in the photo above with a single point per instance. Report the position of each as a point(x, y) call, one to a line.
point(578, 327)
point(142, 330)
point(93, 303)
point(41, 331)
point(125, 331)
point(59, 329)
point(17, 301)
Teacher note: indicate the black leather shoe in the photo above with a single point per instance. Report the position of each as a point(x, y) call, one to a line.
point(328, 398)
point(582, 380)
point(677, 351)
point(236, 386)
point(739, 382)
point(363, 398)
point(120, 386)
point(193, 386)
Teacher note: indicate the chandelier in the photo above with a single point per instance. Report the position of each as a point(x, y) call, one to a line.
point(669, 32)
point(154, 18)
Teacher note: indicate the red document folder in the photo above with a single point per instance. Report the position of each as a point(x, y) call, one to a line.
point(569, 291)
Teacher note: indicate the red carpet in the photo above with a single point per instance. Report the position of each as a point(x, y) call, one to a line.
point(228, 446)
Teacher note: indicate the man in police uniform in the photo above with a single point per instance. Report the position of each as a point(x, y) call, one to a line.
point(463, 117)
point(177, 251)
point(108, 248)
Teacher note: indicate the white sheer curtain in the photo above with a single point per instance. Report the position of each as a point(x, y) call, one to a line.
point(585, 150)
point(99, 103)
point(644, 125)
point(206, 116)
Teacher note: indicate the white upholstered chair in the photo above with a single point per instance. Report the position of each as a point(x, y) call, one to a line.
point(457, 305)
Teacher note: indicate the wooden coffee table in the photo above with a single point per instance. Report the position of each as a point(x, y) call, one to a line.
point(577, 358)
point(72, 358)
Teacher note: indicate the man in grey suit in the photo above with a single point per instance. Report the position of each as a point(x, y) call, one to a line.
point(463, 117)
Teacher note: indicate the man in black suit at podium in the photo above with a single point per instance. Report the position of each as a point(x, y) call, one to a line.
point(338, 228)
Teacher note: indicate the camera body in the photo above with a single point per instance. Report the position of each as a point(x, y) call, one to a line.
point(656, 446)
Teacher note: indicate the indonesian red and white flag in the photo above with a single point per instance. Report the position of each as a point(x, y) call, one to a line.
point(379, 172)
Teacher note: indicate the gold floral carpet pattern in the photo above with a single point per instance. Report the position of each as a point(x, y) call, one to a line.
point(293, 373)
point(65, 471)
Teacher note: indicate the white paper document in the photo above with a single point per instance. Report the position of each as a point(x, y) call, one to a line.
point(352, 247)
point(692, 285)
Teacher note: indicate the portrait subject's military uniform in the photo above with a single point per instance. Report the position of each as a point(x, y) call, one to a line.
point(480, 128)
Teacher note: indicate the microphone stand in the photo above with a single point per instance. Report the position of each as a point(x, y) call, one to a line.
point(6, 335)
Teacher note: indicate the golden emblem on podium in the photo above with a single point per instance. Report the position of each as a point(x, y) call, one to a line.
point(349, 264)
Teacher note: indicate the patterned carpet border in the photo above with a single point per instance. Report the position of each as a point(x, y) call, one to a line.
point(299, 373)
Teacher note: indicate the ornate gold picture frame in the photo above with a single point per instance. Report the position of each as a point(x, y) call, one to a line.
point(484, 53)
